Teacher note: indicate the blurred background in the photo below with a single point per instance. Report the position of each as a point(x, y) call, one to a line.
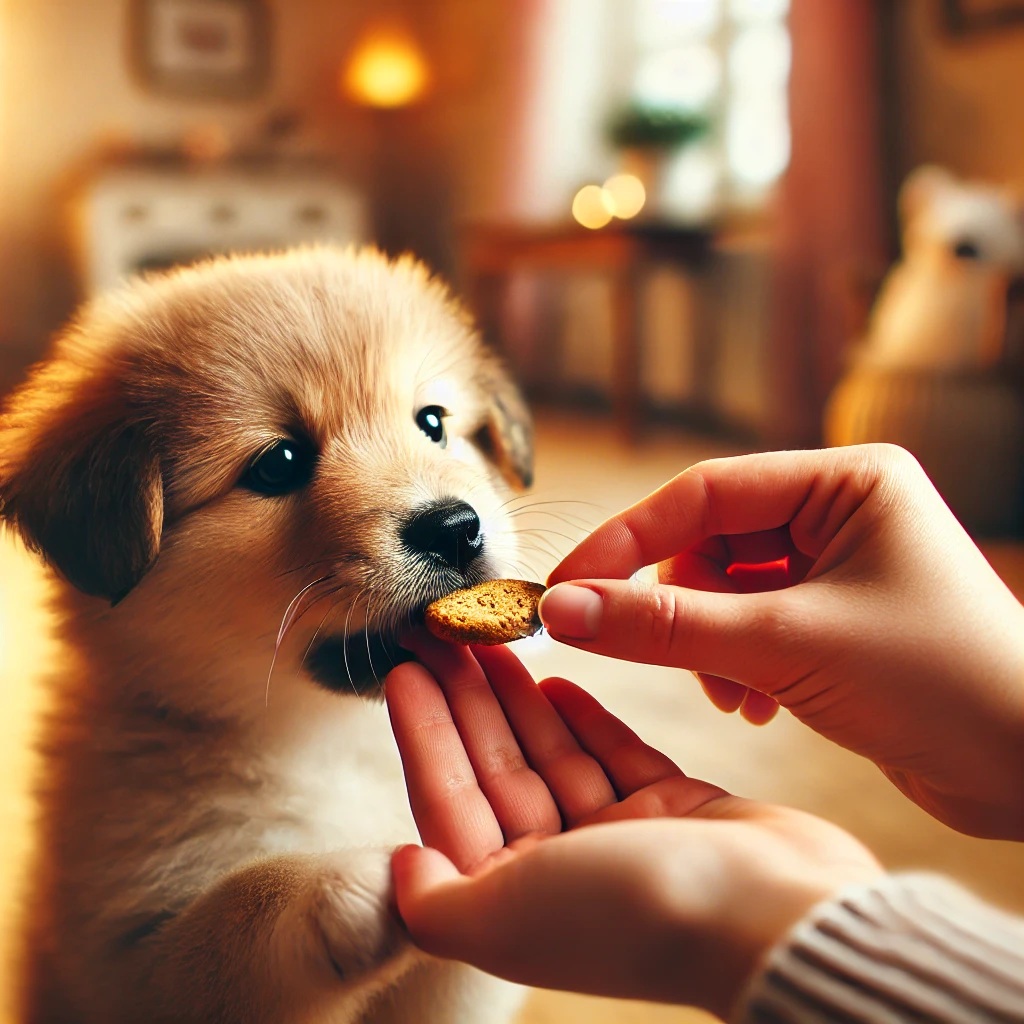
point(693, 227)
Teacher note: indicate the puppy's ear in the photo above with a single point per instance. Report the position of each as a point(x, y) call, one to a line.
point(922, 188)
point(507, 435)
point(80, 482)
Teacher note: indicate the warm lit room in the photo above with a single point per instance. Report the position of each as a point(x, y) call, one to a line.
point(254, 463)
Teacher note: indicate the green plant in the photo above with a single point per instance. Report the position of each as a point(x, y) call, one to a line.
point(637, 126)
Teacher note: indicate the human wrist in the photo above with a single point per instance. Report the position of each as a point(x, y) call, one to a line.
point(759, 887)
point(750, 942)
point(976, 781)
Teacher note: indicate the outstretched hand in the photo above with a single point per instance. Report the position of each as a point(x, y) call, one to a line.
point(672, 891)
point(834, 583)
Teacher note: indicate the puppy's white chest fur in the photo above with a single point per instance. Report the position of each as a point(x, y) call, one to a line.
point(331, 779)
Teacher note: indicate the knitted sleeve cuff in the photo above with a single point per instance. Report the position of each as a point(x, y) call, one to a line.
point(905, 948)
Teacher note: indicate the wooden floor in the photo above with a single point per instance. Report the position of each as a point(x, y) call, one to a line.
point(582, 462)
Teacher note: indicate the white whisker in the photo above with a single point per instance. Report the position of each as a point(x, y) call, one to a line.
point(291, 616)
point(366, 636)
point(344, 641)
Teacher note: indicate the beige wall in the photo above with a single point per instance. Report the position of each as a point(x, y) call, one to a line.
point(961, 99)
point(66, 91)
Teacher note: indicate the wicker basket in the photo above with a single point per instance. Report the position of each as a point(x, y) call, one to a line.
point(966, 430)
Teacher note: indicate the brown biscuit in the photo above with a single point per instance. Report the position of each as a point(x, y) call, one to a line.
point(490, 613)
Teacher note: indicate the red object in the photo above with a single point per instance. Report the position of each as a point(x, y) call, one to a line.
point(756, 579)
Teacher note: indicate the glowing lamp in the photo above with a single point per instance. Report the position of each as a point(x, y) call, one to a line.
point(626, 195)
point(592, 207)
point(386, 69)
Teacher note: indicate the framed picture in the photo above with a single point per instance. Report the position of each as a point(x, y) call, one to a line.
point(968, 16)
point(201, 48)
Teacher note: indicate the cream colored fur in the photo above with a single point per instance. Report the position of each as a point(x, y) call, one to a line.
point(214, 848)
point(935, 311)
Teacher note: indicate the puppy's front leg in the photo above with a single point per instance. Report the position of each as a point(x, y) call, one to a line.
point(288, 938)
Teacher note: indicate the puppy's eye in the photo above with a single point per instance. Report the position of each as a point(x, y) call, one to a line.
point(430, 419)
point(285, 466)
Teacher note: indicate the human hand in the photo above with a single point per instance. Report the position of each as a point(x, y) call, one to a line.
point(884, 629)
point(672, 891)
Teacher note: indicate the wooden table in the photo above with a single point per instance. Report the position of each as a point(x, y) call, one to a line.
point(625, 252)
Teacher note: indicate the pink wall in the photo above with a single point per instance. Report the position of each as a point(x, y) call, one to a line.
point(830, 213)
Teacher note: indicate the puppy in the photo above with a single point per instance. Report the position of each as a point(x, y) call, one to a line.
point(250, 476)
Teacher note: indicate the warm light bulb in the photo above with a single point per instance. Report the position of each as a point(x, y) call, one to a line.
point(386, 69)
point(592, 206)
point(627, 195)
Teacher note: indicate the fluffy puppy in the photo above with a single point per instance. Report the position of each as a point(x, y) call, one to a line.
point(248, 477)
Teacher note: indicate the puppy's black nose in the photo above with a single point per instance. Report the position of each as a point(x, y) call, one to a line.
point(448, 530)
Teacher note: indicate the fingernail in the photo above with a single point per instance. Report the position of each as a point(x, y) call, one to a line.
point(571, 611)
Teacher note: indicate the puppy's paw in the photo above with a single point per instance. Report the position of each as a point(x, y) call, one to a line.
point(351, 902)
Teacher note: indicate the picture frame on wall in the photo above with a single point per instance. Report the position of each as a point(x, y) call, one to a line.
point(965, 17)
point(201, 48)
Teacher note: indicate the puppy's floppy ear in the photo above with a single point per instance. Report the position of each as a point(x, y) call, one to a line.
point(920, 189)
point(80, 481)
point(507, 435)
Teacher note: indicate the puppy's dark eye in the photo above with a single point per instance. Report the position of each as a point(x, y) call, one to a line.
point(965, 249)
point(430, 419)
point(285, 466)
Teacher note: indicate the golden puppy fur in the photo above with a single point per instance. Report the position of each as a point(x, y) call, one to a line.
point(214, 846)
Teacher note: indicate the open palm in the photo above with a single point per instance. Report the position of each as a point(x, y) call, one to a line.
point(492, 757)
point(672, 891)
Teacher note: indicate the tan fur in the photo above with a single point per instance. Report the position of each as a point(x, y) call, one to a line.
point(213, 848)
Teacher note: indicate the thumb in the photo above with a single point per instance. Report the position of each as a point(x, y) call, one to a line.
point(416, 870)
point(430, 894)
point(749, 638)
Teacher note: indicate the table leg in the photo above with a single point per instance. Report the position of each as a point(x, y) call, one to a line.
point(626, 330)
point(701, 283)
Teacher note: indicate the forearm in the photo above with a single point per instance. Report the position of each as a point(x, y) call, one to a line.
point(904, 948)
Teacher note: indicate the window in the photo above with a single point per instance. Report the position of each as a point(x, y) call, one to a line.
point(728, 59)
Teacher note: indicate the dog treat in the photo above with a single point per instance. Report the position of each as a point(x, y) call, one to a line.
point(490, 613)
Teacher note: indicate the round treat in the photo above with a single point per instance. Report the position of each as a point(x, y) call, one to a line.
point(490, 613)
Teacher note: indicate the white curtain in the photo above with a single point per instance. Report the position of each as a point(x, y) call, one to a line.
point(581, 51)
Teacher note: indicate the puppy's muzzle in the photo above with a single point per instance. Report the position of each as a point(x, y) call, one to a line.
point(443, 537)
point(445, 532)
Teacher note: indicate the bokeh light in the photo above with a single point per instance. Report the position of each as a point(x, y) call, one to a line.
point(626, 195)
point(386, 69)
point(592, 207)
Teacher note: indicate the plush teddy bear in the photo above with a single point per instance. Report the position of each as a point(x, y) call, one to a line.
point(939, 371)
point(943, 307)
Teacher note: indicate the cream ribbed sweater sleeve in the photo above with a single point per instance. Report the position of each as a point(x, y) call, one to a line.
point(907, 948)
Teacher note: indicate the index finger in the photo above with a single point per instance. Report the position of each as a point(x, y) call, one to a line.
point(451, 811)
point(519, 797)
point(813, 493)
